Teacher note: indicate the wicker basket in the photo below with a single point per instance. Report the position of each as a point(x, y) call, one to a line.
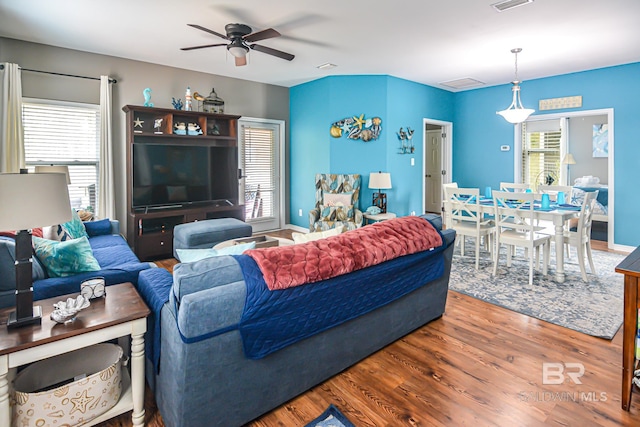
point(69, 389)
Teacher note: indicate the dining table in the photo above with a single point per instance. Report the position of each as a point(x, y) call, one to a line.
point(558, 214)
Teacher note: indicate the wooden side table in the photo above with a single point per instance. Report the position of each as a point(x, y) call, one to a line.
point(369, 219)
point(630, 267)
point(121, 314)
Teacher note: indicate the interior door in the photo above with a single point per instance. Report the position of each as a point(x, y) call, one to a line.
point(433, 169)
point(260, 187)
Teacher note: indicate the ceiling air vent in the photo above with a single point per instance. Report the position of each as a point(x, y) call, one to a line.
point(463, 83)
point(501, 6)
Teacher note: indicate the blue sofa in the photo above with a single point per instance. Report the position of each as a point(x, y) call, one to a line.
point(118, 264)
point(200, 366)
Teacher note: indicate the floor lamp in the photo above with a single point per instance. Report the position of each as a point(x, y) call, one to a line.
point(381, 181)
point(30, 201)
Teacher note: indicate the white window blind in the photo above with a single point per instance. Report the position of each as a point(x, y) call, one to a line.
point(541, 155)
point(63, 133)
point(257, 158)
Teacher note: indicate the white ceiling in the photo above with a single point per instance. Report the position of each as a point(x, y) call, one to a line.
point(425, 41)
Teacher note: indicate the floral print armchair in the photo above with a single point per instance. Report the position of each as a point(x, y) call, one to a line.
point(336, 202)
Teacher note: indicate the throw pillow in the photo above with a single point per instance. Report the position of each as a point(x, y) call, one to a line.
point(62, 259)
point(75, 227)
point(337, 199)
point(309, 237)
point(55, 232)
point(193, 255)
point(336, 213)
point(98, 228)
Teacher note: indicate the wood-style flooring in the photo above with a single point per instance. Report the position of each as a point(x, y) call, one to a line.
point(478, 365)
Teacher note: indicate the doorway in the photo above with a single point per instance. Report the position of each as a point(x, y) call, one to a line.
point(260, 144)
point(436, 163)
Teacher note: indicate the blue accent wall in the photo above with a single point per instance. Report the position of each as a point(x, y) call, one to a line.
point(399, 103)
point(479, 132)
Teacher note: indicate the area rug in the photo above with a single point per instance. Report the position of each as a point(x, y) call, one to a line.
point(332, 417)
point(594, 308)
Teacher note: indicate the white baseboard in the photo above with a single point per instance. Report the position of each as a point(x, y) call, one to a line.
point(623, 248)
point(297, 228)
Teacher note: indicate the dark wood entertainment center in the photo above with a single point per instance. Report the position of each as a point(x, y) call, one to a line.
point(150, 227)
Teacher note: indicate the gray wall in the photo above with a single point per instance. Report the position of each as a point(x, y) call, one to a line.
point(241, 97)
point(581, 146)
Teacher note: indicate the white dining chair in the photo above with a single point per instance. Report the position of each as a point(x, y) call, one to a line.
point(466, 219)
point(514, 187)
point(581, 237)
point(515, 228)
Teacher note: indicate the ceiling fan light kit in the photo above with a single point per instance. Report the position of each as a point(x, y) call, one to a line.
point(240, 36)
point(516, 113)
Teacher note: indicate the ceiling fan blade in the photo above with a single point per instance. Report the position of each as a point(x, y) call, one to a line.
point(203, 46)
point(208, 31)
point(261, 35)
point(274, 52)
point(241, 61)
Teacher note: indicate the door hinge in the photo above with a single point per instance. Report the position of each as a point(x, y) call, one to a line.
point(444, 135)
point(443, 172)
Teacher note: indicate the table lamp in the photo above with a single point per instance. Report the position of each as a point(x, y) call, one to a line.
point(381, 181)
point(55, 169)
point(568, 160)
point(30, 201)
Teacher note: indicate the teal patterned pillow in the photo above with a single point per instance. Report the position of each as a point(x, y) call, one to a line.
point(62, 259)
point(336, 213)
point(75, 227)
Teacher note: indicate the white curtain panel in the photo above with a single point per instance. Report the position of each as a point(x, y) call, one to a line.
point(106, 196)
point(11, 131)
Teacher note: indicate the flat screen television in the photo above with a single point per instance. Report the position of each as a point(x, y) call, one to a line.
point(178, 175)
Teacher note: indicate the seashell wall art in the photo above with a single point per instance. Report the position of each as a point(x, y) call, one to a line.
point(357, 127)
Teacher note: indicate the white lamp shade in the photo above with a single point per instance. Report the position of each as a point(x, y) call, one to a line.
point(568, 159)
point(516, 115)
point(55, 169)
point(33, 200)
point(237, 51)
point(380, 180)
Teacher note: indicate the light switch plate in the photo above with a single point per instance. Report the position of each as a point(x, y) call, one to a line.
point(505, 148)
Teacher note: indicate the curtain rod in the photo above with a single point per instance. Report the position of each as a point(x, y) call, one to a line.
point(61, 74)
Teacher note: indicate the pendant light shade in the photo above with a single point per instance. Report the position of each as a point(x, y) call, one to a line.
point(516, 113)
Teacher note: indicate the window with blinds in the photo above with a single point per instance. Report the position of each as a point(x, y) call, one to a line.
point(257, 153)
point(65, 134)
point(541, 155)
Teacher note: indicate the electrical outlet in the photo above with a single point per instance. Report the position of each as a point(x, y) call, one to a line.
point(413, 161)
point(299, 212)
point(413, 213)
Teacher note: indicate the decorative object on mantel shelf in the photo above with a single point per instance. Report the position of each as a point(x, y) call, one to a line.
point(213, 103)
point(147, 97)
point(177, 103)
point(516, 113)
point(357, 128)
point(406, 141)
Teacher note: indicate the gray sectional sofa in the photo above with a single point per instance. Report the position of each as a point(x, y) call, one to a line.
point(197, 364)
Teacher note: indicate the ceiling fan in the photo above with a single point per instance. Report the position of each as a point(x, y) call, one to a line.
point(241, 36)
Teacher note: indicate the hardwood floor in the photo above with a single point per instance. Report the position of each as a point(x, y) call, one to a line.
point(479, 365)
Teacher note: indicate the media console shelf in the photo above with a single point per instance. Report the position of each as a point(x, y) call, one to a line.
point(182, 166)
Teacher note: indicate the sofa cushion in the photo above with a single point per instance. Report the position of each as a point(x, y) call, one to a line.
point(336, 213)
point(193, 255)
point(207, 273)
point(337, 199)
point(98, 228)
point(75, 227)
point(67, 258)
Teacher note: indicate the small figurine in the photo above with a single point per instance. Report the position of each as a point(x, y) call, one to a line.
point(194, 129)
point(177, 103)
point(179, 128)
point(157, 125)
point(147, 97)
point(187, 99)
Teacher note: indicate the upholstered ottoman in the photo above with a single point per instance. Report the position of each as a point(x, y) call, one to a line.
point(207, 233)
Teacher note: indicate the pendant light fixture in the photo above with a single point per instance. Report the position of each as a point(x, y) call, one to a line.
point(516, 113)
